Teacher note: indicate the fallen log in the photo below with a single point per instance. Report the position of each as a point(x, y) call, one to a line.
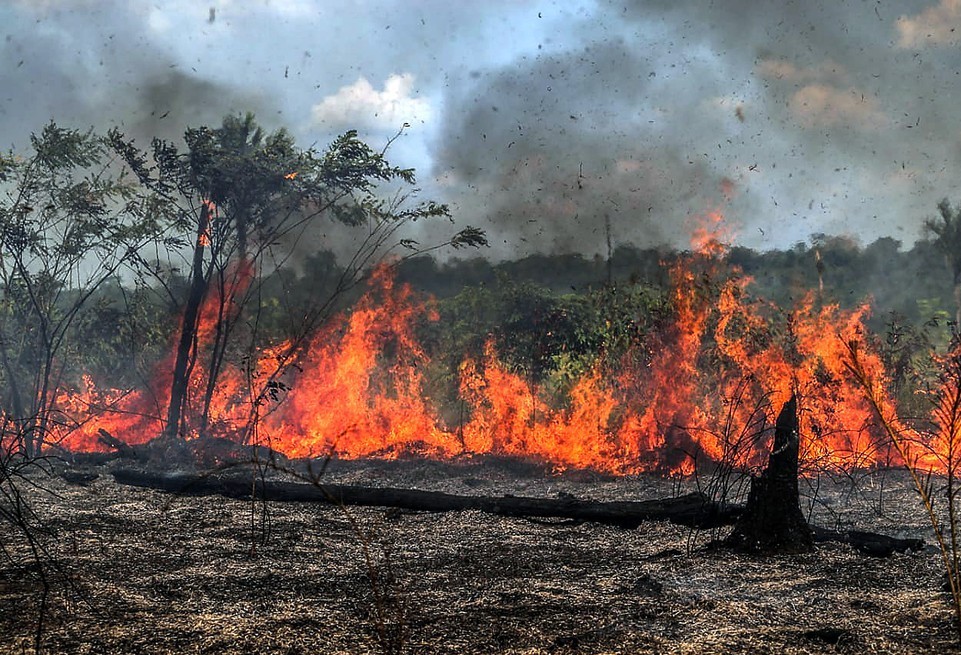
point(121, 448)
point(868, 543)
point(693, 510)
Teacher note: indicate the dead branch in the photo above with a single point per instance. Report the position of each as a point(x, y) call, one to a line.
point(868, 543)
point(693, 510)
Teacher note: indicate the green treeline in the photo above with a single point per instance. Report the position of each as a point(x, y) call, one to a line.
point(915, 283)
point(114, 257)
point(546, 312)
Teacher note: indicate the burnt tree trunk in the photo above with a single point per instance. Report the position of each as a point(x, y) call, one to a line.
point(188, 329)
point(772, 521)
point(694, 509)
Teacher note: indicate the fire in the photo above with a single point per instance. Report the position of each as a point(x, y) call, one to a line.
point(136, 416)
point(702, 389)
point(208, 213)
point(510, 418)
point(344, 400)
point(710, 235)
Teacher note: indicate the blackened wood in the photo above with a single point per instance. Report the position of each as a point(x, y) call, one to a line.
point(80, 477)
point(188, 328)
point(868, 543)
point(694, 510)
point(122, 448)
point(772, 521)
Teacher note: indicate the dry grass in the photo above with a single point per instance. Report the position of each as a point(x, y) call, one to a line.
point(162, 574)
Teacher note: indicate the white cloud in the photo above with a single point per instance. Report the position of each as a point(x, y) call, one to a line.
point(360, 105)
point(782, 69)
point(937, 25)
point(820, 105)
point(158, 21)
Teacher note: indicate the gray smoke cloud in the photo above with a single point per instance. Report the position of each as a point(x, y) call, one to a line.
point(792, 117)
point(95, 64)
point(553, 125)
point(567, 143)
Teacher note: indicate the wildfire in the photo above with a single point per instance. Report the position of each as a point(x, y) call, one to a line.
point(711, 385)
point(709, 236)
point(208, 212)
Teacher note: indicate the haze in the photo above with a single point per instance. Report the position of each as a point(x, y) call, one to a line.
point(551, 124)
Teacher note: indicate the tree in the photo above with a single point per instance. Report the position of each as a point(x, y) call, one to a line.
point(947, 230)
point(232, 195)
point(69, 224)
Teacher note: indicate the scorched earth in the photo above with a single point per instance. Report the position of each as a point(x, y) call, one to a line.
point(140, 571)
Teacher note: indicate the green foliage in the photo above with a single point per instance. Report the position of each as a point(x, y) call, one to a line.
point(550, 338)
point(68, 224)
point(946, 228)
point(611, 332)
point(125, 332)
point(527, 324)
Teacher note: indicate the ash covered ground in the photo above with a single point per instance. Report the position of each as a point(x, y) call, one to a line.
point(140, 571)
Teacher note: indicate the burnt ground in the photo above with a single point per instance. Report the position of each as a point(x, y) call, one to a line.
point(141, 571)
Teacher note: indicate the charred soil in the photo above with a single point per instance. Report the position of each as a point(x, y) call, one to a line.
point(147, 572)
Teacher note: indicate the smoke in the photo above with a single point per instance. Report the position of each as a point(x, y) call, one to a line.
point(558, 126)
point(791, 117)
point(569, 146)
point(99, 65)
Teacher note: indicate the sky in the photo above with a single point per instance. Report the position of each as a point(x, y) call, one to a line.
point(554, 125)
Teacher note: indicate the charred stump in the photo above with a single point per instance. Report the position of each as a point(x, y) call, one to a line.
point(772, 521)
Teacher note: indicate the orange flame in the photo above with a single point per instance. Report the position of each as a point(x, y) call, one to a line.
point(208, 214)
point(709, 386)
point(136, 416)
